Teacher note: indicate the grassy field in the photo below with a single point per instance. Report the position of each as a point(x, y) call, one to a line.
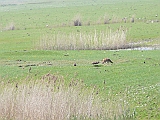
point(30, 34)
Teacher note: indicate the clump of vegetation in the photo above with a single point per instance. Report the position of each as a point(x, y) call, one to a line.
point(52, 98)
point(77, 20)
point(10, 26)
point(115, 19)
point(97, 40)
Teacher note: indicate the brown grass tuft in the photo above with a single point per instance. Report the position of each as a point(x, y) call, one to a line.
point(10, 26)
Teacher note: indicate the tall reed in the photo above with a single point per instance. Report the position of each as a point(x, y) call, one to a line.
point(96, 40)
point(51, 98)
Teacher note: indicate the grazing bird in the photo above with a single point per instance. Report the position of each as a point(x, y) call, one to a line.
point(94, 63)
point(106, 60)
point(74, 64)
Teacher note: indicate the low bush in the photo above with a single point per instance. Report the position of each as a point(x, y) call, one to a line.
point(77, 20)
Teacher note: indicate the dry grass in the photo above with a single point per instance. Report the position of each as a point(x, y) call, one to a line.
point(50, 98)
point(96, 40)
point(10, 26)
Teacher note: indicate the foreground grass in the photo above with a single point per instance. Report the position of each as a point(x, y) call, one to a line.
point(50, 98)
point(134, 74)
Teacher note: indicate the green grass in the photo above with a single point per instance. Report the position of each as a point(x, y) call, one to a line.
point(128, 66)
point(134, 74)
point(127, 73)
point(30, 20)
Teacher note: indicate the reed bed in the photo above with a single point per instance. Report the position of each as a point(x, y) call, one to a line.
point(97, 40)
point(52, 98)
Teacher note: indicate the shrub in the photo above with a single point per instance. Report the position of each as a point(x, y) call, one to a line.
point(77, 20)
